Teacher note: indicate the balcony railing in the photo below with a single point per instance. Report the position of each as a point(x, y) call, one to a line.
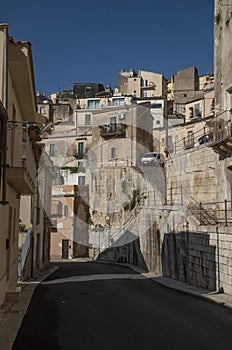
point(217, 133)
point(74, 169)
point(113, 130)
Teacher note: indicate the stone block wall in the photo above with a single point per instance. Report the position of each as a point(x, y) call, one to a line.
point(175, 244)
point(191, 176)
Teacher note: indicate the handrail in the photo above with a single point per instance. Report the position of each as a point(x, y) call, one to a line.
point(218, 212)
point(24, 252)
point(105, 244)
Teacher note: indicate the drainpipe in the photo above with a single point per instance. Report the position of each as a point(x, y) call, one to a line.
point(3, 116)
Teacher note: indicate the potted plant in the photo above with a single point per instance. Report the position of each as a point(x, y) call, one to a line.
point(22, 227)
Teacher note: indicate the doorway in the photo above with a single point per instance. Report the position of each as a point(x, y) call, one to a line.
point(65, 246)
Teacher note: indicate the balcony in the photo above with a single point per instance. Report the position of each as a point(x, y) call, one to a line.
point(220, 132)
point(21, 172)
point(74, 169)
point(79, 155)
point(113, 131)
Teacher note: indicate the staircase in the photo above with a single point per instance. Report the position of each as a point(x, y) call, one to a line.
point(205, 216)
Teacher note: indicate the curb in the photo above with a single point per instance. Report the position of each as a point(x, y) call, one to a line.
point(222, 299)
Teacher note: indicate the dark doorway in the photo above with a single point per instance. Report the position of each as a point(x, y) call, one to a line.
point(65, 244)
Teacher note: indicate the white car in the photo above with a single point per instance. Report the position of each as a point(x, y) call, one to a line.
point(152, 158)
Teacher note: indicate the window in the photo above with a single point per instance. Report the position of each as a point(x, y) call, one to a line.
point(80, 148)
point(170, 143)
point(88, 91)
point(87, 119)
point(157, 122)
point(66, 211)
point(52, 150)
point(113, 121)
point(156, 105)
point(118, 101)
point(144, 82)
point(190, 112)
point(81, 180)
point(179, 108)
point(42, 110)
point(93, 104)
point(113, 152)
point(81, 168)
point(190, 139)
point(37, 213)
point(197, 111)
point(212, 104)
point(144, 93)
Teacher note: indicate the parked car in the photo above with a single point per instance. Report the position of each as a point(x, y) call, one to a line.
point(203, 139)
point(152, 158)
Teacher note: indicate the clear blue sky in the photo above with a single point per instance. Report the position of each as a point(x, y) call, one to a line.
point(91, 41)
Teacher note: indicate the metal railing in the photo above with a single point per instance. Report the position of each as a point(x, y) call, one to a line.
point(119, 233)
point(24, 252)
point(215, 130)
point(215, 212)
point(218, 212)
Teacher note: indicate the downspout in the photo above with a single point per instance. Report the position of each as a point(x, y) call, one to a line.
point(3, 116)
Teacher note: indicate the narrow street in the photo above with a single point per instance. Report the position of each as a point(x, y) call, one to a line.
point(93, 306)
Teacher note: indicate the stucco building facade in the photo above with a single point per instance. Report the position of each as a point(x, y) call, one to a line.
point(18, 107)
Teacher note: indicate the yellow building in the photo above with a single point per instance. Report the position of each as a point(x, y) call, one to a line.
point(18, 167)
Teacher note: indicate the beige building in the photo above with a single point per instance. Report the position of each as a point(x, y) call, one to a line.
point(116, 185)
point(142, 84)
point(195, 123)
point(69, 214)
point(18, 107)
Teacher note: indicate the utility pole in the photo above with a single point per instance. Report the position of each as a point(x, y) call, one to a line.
point(166, 143)
point(166, 124)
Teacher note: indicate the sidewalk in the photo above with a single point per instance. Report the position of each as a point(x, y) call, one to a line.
point(12, 313)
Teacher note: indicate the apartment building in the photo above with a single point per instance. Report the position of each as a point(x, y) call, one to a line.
point(189, 111)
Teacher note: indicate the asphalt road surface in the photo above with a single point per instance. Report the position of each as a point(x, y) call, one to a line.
point(93, 306)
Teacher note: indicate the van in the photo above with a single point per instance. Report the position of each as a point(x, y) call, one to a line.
point(152, 158)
